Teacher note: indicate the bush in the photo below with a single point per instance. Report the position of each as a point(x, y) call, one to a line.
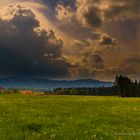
point(15, 91)
point(7, 91)
point(11, 91)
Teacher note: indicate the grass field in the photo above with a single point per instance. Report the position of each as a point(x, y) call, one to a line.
point(32, 117)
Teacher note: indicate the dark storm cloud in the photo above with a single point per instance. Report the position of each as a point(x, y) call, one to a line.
point(88, 13)
point(92, 18)
point(90, 29)
point(28, 50)
point(107, 40)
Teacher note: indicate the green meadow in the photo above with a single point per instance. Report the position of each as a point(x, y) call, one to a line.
point(34, 117)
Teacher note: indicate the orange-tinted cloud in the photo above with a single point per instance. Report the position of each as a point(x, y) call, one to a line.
point(27, 49)
point(97, 37)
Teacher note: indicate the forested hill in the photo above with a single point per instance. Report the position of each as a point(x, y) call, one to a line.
point(50, 84)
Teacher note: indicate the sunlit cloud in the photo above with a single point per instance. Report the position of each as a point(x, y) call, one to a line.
point(92, 34)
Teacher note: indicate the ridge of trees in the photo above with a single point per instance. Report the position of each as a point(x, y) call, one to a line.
point(123, 86)
point(127, 87)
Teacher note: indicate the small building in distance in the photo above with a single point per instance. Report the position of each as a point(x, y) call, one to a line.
point(26, 92)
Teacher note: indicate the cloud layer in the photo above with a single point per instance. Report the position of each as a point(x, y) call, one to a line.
point(113, 34)
point(94, 13)
point(27, 49)
point(99, 38)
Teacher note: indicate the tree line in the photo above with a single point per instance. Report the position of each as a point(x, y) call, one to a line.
point(127, 87)
point(101, 91)
point(123, 86)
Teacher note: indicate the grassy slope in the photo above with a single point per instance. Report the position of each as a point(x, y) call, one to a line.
point(69, 118)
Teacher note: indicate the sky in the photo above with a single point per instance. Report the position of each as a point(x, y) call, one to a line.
point(70, 39)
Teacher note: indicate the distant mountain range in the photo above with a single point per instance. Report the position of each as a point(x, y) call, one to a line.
point(47, 84)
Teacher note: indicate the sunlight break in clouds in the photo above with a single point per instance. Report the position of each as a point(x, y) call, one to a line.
point(33, 51)
point(90, 38)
